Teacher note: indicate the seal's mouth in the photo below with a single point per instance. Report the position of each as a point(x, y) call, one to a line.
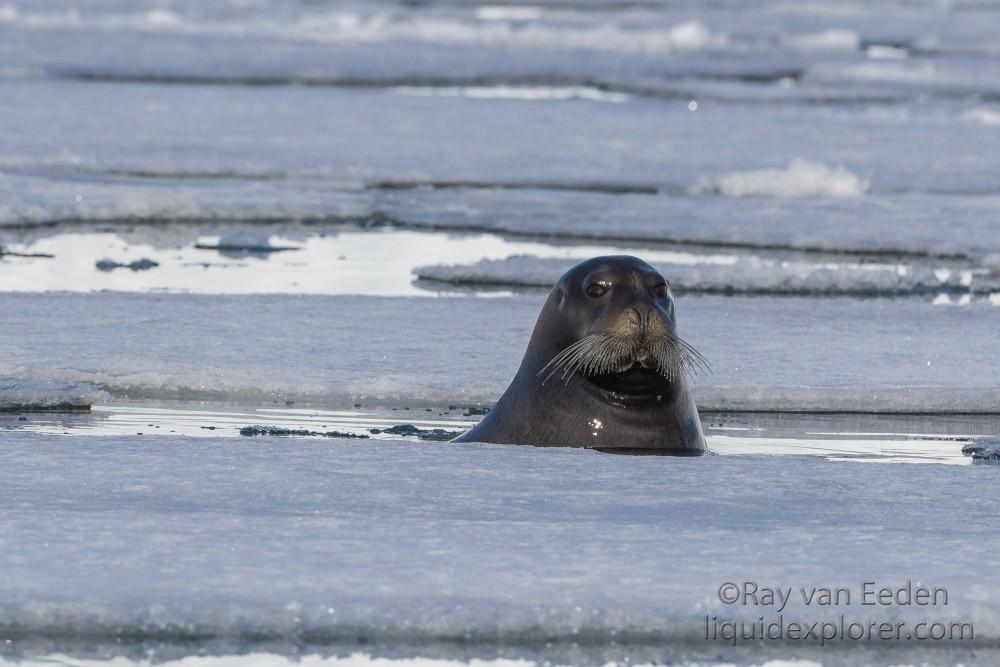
point(637, 380)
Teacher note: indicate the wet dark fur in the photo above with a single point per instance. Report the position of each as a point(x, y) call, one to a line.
point(606, 371)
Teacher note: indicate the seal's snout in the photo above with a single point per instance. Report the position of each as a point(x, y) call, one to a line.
point(646, 324)
point(639, 320)
point(642, 313)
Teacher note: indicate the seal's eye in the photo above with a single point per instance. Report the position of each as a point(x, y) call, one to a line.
point(661, 290)
point(596, 290)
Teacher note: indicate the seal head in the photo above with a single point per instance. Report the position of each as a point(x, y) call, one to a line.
point(605, 368)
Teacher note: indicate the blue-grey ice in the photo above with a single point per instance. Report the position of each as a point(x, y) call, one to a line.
point(400, 541)
point(767, 353)
point(810, 150)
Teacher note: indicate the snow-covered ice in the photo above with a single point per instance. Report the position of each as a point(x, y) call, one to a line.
point(334, 540)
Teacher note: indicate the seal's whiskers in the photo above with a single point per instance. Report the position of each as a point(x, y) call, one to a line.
point(569, 357)
point(604, 352)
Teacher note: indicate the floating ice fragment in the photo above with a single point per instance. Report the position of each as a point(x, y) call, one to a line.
point(29, 394)
point(281, 431)
point(244, 241)
point(690, 35)
point(986, 450)
point(800, 179)
point(435, 434)
point(508, 13)
point(835, 39)
point(143, 264)
point(162, 18)
point(524, 93)
point(885, 52)
point(983, 115)
point(946, 300)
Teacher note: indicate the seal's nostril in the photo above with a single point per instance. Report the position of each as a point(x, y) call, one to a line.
point(642, 316)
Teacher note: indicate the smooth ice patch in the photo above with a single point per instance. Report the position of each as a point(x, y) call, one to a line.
point(800, 179)
point(767, 353)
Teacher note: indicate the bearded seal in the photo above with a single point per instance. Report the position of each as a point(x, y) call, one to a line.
point(604, 368)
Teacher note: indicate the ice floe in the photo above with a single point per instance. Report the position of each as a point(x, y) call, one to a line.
point(377, 135)
point(168, 539)
point(753, 275)
point(907, 223)
point(767, 353)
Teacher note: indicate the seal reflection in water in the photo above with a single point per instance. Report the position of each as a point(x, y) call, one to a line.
point(605, 368)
